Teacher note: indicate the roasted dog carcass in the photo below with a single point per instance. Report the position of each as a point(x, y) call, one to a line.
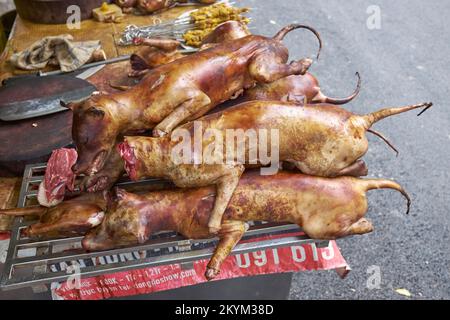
point(297, 88)
point(321, 140)
point(325, 208)
point(174, 93)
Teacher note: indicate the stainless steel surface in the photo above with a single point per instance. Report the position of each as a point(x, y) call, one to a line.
point(31, 262)
point(90, 72)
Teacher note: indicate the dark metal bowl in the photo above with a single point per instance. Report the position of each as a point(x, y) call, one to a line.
point(54, 11)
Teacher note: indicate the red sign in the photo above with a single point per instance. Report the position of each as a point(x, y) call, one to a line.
point(153, 279)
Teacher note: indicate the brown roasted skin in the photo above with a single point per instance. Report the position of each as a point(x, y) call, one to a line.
point(153, 53)
point(226, 31)
point(320, 140)
point(174, 93)
point(70, 218)
point(152, 6)
point(325, 209)
point(300, 89)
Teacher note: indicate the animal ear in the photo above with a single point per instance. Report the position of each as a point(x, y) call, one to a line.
point(120, 194)
point(96, 111)
point(72, 104)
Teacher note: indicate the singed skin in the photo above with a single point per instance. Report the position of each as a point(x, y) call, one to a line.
point(69, 218)
point(226, 31)
point(325, 209)
point(174, 93)
point(296, 88)
point(153, 53)
point(320, 140)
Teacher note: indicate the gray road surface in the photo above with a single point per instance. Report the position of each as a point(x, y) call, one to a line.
point(406, 61)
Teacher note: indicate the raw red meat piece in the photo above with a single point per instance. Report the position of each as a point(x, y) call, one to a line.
point(58, 177)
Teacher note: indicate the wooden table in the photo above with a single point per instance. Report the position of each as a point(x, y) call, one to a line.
point(24, 33)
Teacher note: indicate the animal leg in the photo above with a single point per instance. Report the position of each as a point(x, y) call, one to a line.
point(266, 68)
point(44, 229)
point(357, 169)
point(21, 212)
point(167, 45)
point(76, 219)
point(181, 113)
point(225, 188)
point(230, 234)
point(362, 226)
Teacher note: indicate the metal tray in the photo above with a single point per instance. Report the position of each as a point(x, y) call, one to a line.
point(31, 263)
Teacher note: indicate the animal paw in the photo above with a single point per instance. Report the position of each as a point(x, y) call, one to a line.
point(210, 273)
point(301, 66)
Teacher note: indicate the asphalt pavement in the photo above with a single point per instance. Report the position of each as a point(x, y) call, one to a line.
point(405, 61)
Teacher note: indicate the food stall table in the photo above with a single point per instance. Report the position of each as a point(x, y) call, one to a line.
point(259, 271)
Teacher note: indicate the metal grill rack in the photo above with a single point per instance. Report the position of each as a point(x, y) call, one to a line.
point(32, 263)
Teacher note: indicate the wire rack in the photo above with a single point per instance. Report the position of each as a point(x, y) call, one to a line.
point(32, 263)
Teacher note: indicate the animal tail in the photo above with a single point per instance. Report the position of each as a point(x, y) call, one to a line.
point(338, 101)
point(371, 118)
point(283, 32)
point(386, 140)
point(371, 184)
point(38, 210)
